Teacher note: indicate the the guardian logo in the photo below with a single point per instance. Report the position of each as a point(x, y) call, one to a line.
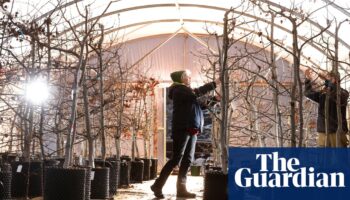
point(286, 173)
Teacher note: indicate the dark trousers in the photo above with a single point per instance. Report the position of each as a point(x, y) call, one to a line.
point(184, 146)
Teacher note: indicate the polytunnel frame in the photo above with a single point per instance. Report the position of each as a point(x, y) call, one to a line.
point(145, 23)
point(201, 6)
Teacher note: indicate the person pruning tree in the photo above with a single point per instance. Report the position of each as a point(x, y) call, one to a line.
point(327, 124)
point(187, 122)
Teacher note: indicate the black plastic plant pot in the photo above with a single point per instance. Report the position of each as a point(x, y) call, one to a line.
point(5, 180)
point(9, 158)
point(215, 185)
point(154, 168)
point(100, 183)
point(113, 175)
point(126, 158)
point(21, 171)
point(61, 161)
point(100, 163)
point(215, 168)
point(124, 173)
point(136, 172)
point(87, 181)
point(51, 163)
point(147, 163)
point(65, 183)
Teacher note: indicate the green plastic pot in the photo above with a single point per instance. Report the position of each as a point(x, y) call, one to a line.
point(195, 170)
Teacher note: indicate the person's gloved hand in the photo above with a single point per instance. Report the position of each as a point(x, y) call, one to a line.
point(217, 98)
point(329, 84)
point(193, 131)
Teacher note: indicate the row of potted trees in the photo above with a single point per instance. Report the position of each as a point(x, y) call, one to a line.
point(49, 179)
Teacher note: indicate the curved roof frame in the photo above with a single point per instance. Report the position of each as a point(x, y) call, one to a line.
point(221, 7)
point(213, 22)
point(145, 23)
point(206, 7)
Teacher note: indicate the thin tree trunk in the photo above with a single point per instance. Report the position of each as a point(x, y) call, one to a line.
point(133, 149)
point(135, 127)
point(80, 70)
point(11, 133)
point(58, 144)
point(275, 100)
point(152, 130)
point(294, 86)
point(28, 134)
point(41, 133)
point(338, 90)
point(88, 124)
point(120, 119)
point(326, 114)
point(308, 130)
point(225, 95)
point(133, 143)
point(154, 153)
point(301, 104)
point(216, 141)
point(146, 129)
point(117, 146)
point(42, 112)
point(58, 134)
point(137, 151)
point(80, 73)
point(256, 126)
point(24, 113)
point(102, 128)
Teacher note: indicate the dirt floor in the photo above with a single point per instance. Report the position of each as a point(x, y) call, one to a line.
point(143, 191)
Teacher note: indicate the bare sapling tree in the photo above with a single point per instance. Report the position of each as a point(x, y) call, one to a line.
point(99, 52)
point(339, 96)
point(224, 76)
point(78, 79)
point(227, 65)
point(297, 18)
point(275, 88)
point(121, 92)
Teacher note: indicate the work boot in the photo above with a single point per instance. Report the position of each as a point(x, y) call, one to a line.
point(183, 193)
point(157, 191)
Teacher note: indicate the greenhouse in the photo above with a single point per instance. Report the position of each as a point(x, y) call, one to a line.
point(98, 98)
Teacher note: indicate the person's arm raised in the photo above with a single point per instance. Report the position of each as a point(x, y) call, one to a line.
point(200, 91)
point(310, 93)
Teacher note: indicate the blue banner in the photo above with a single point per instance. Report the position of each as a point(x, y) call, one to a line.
point(289, 174)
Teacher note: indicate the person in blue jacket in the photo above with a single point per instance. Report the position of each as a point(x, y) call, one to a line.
point(187, 122)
